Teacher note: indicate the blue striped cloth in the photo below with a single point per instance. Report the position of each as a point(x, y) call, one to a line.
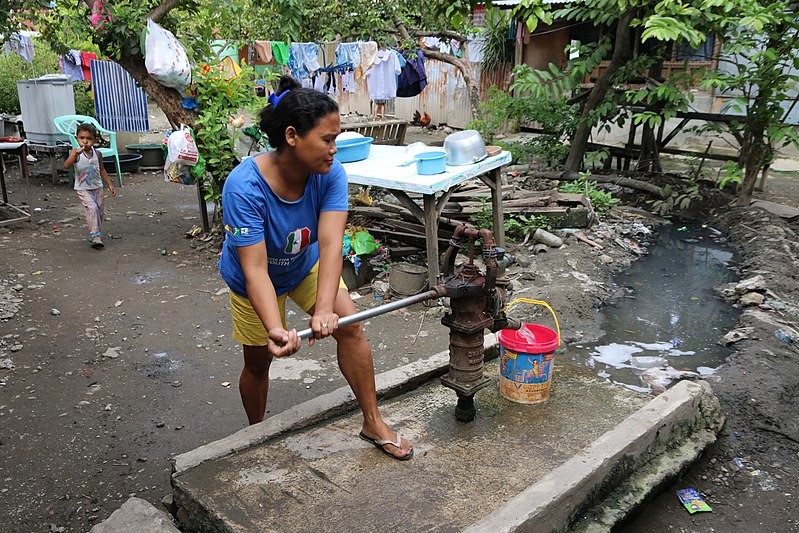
point(120, 105)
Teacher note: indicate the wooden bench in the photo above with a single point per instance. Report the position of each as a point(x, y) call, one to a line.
point(391, 131)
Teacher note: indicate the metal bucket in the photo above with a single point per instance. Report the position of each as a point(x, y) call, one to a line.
point(406, 279)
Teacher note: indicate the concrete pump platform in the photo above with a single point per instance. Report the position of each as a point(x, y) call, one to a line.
point(579, 461)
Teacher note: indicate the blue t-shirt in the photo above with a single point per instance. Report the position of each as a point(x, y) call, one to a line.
point(253, 213)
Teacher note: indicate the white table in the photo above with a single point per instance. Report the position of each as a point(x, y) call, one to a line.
point(383, 168)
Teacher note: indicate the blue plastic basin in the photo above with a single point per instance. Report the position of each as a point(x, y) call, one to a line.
point(431, 162)
point(350, 150)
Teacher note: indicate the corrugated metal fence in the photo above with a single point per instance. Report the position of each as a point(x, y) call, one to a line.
point(445, 99)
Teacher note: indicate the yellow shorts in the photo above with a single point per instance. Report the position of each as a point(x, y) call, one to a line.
point(247, 326)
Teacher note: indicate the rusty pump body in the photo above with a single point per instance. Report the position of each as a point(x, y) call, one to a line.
point(477, 302)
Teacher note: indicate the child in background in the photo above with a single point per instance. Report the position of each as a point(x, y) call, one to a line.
point(90, 175)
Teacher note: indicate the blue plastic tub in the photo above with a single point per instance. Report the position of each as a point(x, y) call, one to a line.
point(350, 150)
point(431, 162)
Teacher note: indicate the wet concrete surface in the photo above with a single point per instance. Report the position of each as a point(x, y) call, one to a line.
point(319, 477)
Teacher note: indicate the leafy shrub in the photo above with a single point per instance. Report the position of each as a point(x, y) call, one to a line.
point(601, 200)
point(84, 103)
point(518, 227)
point(13, 68)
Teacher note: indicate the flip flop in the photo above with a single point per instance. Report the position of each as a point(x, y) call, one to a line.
point(379, 443)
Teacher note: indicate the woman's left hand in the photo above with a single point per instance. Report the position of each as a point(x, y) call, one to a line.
point(323, 324)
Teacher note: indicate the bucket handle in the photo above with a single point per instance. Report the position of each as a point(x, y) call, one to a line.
point(536, 302)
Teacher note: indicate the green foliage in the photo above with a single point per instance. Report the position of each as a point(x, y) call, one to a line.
point(601, 200)
point(555, 117)
point(498, 50)
point(518, 226)
point(678, 200)
point(84, 104)
point(732, 175)
point(219, 99)
point(556, 83)
point(13, 68)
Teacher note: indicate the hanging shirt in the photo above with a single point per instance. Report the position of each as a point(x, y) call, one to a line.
point(348, 53)
point(22, 45)
point(413, 77)
point(87, 172)
point(303, 59)
point(71, 65)
point(382, 77)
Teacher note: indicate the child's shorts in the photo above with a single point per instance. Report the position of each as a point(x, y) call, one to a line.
point(247, 326)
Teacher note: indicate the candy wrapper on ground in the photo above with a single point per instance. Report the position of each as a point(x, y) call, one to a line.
point(692, 501)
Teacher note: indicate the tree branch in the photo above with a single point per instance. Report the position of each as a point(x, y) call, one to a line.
point(161, 10)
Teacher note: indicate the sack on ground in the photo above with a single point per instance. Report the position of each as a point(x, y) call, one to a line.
point(181, 156)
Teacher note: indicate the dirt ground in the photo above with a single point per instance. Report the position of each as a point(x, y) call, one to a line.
point(114, 360)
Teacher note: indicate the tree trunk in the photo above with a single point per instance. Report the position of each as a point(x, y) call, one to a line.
point(466, 71)
point(622, 52)
point(754, 153)
point(649, 158)
point(168, 99)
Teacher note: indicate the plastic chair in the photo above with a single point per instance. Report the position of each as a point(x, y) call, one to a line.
point(68, 125)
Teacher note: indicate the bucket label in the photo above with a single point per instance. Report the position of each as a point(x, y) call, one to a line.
point(525, 368)
point(524, 392)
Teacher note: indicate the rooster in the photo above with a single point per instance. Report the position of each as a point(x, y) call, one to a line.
point(421, 120)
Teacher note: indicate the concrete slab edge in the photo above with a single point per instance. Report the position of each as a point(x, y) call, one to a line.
point(643, 484)
point(570, 490)
point(389, 384)
point(134, 516)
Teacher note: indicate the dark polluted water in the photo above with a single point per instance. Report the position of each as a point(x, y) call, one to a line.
point(669, 324)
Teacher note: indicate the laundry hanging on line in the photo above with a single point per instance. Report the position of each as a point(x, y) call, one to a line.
point(21, 45)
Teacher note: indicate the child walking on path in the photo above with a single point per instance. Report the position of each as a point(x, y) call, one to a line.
point(90, 174)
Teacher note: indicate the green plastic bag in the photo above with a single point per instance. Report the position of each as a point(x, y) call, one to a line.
point(364, 243)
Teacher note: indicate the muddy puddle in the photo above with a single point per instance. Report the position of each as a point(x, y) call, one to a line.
point(668, 324)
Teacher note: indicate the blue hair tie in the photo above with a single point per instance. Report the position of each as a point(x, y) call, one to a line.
point(274, 100)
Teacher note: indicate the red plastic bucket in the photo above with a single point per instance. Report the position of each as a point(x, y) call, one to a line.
point(526, 361)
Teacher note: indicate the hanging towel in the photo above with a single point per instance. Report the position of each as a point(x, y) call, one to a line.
point(413, 77)
point(382, 77)
point(119, 104)
point(368, 53)
point(280, 52)
point(71, 65)
point(263, 51)
point(22, 45)
point(85, 64)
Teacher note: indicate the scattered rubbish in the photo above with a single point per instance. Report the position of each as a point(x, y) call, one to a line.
point(545, 237)
point(226, 384)
point(737, 335)
point(692, 501)
point(787, 335)
point(55, 312)
point(118, 303)
point(676, 341)
point(112, 353)
point(683, 228)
